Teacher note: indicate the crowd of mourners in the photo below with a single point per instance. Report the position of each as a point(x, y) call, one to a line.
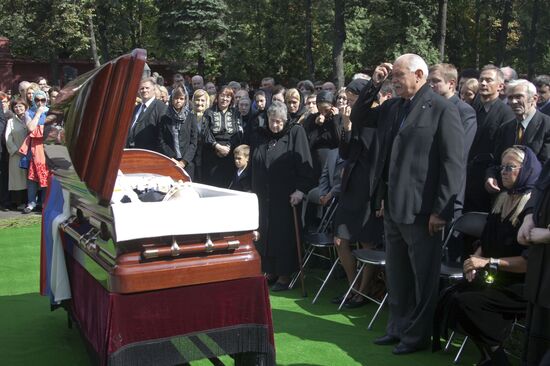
point(399, 154)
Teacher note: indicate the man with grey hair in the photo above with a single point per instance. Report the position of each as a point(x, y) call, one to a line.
point(197, 82)
point(420, 161)
point(267, 84)
point(491, 114)
point(144, 130)
point(530, 128)
point(542, 83)
point(509, 75)
point(330, 87)
point(23, 86)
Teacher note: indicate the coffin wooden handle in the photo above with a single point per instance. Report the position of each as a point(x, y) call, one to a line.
point(186, 249)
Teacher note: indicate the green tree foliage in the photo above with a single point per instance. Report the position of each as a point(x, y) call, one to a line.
point(193, 30)
point(247, 40)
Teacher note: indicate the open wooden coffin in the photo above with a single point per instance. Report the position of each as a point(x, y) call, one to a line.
point(205, 236)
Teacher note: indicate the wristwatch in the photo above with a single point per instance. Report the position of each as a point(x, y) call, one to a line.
point(494, 262)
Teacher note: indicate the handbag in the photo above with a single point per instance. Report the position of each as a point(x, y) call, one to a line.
point(25, 161)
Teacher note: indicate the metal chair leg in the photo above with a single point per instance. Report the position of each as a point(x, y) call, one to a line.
point(326, 279)
point(448, 344)
point(352, 284)
point(377, 311)
point(302, 267)
point(459, 353)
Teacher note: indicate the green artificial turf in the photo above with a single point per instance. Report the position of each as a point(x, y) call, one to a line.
point(305, 334)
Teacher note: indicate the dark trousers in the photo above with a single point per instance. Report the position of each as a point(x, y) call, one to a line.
point(4, 169)
point(413, 261)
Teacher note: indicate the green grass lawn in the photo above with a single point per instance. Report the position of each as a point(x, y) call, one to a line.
point(305, 334)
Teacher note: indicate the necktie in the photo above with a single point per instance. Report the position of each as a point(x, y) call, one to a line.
point(520, 133)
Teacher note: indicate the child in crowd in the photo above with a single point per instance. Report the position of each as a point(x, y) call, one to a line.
point(242, 180)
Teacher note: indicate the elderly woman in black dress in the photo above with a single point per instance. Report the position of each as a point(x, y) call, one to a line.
point(281, 174)
point(486, 308)
point(178, 131)
point(535, 232)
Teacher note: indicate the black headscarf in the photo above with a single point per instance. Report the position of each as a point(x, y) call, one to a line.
point(355, 86)
point(528, 173)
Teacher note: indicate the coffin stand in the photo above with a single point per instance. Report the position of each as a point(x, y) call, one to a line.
point(151, 283)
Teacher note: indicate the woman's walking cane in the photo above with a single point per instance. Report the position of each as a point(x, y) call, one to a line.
point(299, 249)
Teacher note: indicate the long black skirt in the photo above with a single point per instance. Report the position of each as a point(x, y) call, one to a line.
point(537, 334)
point(486, 314)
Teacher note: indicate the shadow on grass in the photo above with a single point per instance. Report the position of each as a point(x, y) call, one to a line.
point(31, 334)
point(346, 330)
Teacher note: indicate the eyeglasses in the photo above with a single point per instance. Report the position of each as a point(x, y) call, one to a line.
point(509, 168)
point(43, 100)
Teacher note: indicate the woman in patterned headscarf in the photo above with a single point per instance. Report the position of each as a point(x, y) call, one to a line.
point(37, 177)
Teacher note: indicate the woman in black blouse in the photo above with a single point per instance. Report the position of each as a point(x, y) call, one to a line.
point(223, 132)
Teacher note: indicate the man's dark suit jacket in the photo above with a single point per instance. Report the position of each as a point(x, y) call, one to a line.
point(481, 154)
point(426, 156)
point(144, 134)
point(331, 176)
point(536, 136)
point(469, 121)
point(545, 109)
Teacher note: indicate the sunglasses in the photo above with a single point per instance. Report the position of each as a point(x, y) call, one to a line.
point(509, 168)
point(43, 100)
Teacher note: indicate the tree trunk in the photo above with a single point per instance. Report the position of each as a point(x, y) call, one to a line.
point(503, 34)
point(92, 41)
point(339, 39)
point(532, 50)
point(476, 31)
point(442, 28)
point(200, 64)
point(309, 42)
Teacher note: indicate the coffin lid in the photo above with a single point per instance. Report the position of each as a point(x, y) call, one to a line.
point(96, 110)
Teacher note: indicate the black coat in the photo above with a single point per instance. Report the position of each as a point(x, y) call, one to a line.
point(322, 139)
point(187, 137)
point(242, 182)
point(425, 165)
point(3, 124)
point(481, 154)
point(280, 165)
point(545, 109)
point(144, 133)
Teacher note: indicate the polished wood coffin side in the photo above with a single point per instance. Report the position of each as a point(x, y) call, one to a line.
point(146, 161)
point(134, 274)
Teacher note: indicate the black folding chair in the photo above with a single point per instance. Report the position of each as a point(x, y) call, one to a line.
point(472, 224)
point(317, 243)
point(372, 257)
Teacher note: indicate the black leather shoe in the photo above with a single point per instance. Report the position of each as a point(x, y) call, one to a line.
point(338, 299)
point(354, 303)
point(386, 340)
point(403, 349)
point(279, 286)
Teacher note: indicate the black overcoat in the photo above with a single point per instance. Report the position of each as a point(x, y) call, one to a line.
point(281, 164)
point(187, 137)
